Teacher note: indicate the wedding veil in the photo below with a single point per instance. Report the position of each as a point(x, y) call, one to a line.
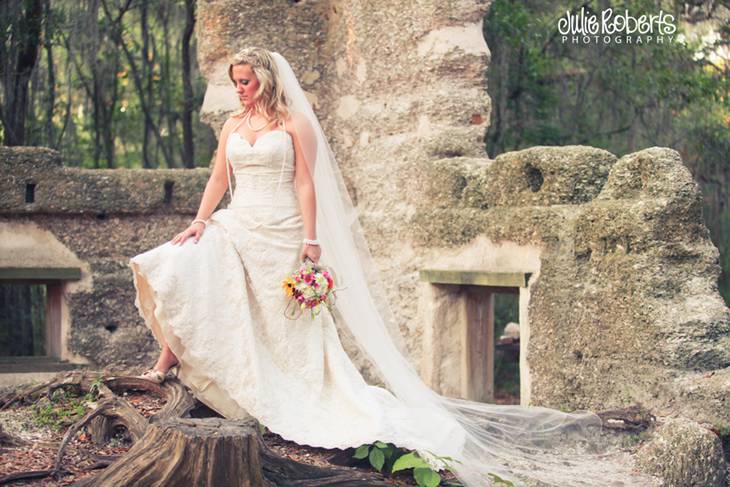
point(536, 445)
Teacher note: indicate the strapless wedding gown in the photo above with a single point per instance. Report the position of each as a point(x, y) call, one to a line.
point(220, 306)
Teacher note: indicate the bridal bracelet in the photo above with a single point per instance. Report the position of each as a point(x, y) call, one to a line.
point(308, 241)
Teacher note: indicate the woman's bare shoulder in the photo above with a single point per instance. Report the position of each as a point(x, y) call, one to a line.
point(230, 122)
point(286, 122)
point(227, 127)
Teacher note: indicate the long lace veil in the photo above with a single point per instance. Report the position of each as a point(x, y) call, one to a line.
point(532, 445)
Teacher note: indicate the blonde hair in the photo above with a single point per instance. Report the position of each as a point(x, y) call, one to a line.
point(269, 97)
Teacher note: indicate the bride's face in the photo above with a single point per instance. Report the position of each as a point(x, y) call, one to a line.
point(246, 83)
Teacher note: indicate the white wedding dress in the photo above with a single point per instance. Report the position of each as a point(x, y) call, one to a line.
point(220, 306)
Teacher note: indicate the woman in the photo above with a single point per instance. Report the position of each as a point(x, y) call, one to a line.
point(262, 109)
point(212, 298)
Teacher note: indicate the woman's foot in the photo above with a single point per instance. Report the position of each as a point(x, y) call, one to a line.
point(153, 375)
point(158, 376)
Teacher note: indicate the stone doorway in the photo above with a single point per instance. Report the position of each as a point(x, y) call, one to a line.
point(31, 308)
point(31, 323)
point(459, 340)
point(36, 272)
point(23, 320)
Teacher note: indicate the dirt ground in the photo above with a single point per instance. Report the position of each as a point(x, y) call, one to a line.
point(41, 431)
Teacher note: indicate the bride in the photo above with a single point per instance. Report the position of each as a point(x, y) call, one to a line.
point(212, 298)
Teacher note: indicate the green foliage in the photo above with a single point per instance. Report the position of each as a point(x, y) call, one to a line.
point(619, 97)
point(93, 393)
point(426, 477)
point(386, 457)
point(506, 372)
point(22, 320)
point(62, 408)
point(499, 480)
point(93, 105)
point(377, 458)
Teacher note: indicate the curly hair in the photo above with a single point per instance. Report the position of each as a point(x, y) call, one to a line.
point(269, 98)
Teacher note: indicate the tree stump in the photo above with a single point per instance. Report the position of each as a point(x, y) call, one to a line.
point(217, 452)
point(179, 451)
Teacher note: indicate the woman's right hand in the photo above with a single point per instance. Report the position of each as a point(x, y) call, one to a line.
point(195, 230)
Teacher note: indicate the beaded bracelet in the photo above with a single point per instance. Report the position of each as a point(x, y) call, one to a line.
point(204, 222)
point(310, 241)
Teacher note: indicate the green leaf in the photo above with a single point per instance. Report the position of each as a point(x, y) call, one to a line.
point(444, 460)
point(500, 480)
point(409, 460)
point(425, 477)
point(380, 444)
point(377, 458)
point(362, 452)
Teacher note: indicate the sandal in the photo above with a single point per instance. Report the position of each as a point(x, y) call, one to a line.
point(158, 377)
point(153, 375)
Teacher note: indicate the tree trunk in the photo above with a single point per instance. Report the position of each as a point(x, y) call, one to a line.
point(15, 82)
point(51, 94)
point(187, 115)
point(146, 68)
point(176, 451)
point(137, 77)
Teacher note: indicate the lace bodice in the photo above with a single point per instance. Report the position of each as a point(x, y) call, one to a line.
point(263, 172)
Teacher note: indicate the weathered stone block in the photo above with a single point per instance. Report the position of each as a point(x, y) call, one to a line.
point(684, 454)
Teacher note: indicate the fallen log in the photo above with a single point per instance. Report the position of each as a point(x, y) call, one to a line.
point(6, 439)
point(23, 476)
point(632, 418)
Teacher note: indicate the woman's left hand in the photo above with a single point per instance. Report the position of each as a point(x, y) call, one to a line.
point(311, 251)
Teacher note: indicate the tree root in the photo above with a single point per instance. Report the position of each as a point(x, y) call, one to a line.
point(172, 448)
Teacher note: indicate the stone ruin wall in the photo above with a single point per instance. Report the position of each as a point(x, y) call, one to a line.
point(623, 305)
point(101, 218)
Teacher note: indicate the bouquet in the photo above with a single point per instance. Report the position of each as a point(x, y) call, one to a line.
point(312, 286)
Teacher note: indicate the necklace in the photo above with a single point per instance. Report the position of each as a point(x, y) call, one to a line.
point(248, 122)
